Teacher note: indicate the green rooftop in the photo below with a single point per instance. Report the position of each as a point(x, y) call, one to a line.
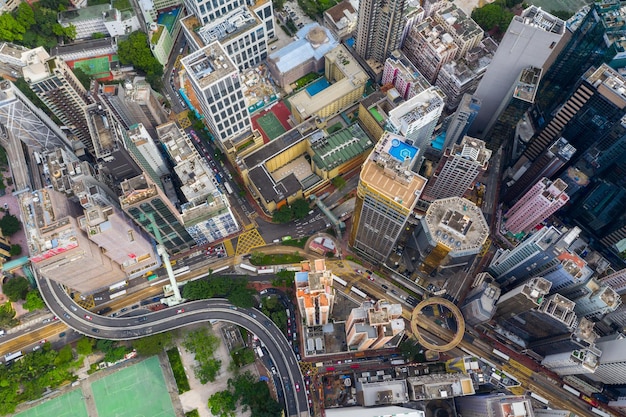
point(341, 147)
point(376, 115)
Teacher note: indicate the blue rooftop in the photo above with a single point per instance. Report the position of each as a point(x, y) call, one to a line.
point(302, 50)
point(401, 151)
point(438, 142)
point(302, 277)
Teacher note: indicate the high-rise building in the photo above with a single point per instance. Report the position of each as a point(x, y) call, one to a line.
point(450, 235)
point(616, 280)
point(480, 303)
point(461, 76)
point(387, 193)
point(416, 119)
point(465, 32)
point(529, 41)
point(205, 212)
point(522, 298)
point(373, 325)
point(315, 293)
point(379, 28)
point(144, 151)
point(539, 203)
point(546, 165)
point(494, 405)
point(579, 361)
point(404, 76)
point(217, 85)
point(612, 367)
point(429, 47)
point(595, 38)
point(589, 113)
point(510, 266)
point(501, 128)
point(566, 271)
point(461, 120)
point(596, 300)
point(60, 250)
point(457, 170)
point(148, 206)
point(583, 337)
point(555, 316)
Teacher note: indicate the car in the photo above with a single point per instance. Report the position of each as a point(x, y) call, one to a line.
point(297, 387)
point(371, 278)
point(125, 309)
point(67, 316)
point(135, 306)
point(95, 330)
point(142, 319)
point(36, 348)
point(180, 310)
point(385, 287)
point(98, 298)
point(42, 341)
point(274, 370)
point(74, 308)
point(88, 317)
point(48, 320)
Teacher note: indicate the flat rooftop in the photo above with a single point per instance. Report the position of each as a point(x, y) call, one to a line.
point(338, 148)
point(609, 83)
point(527, 83)
point(390, 176)
point(457, 223)
point(313, 42)
point(209, 64)
point(536, 17)
point(86, 13)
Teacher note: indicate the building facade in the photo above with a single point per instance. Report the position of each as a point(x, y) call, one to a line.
point(379, 28)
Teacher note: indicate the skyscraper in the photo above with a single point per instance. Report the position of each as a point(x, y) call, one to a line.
point(529, 41)
point(612, 367)
point(57, 86)
point(315, 293)
point(494, 405)
point(217, 85)
point(457, 170)
point(480, 303)
point(616, 280)
point(522, 298)
point(578, 361)
point(386, 195)
point(379, 28)
point(148, 206)
point(462, 119)
point(539, 203)
point(372, 325)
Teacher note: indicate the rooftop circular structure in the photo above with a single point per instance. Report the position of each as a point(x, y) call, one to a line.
point(419, 321)
point(317, 36)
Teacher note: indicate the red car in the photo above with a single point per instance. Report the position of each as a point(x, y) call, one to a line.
point(297, 387)
point(180, 310)
point(88, 317)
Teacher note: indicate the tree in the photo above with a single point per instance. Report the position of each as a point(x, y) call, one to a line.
point(207, 371)
point(34, 301)
point(104, 345)
point(83, 77)
point(151, 345)
point(84, 346)
point(338, 182)
point(16, 288)
point(242, 297)
point(9, 223)
point(300, 208)
point(197, 290)
point(410, 349)
point(7, 315)
point(135, 51)
point(65, 356)
point(223, 404)
point(24, 15)
point(115, 354)
point(98, 35)
point(282, 215)
point(492, 16)
point(561, 14)
point(15, 250)
point(10, 29)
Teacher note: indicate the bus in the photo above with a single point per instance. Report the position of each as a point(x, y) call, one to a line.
point(152, 276)
point(12, 356)
point(262, 271)
point(501, 354)
point(228, 187)
point(247, 267)
point(181, 271)
point(358, 292)
point(284, 238)
point(117, 294)
point(572, 390)
point(599, 412)
point(220, 269)
point(117, 286)
point(339, 281)
point(539, 398)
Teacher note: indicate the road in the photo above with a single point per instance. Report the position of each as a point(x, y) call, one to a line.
point(125, 328)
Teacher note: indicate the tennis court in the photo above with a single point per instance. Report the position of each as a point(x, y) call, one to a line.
point(97, 67)
point(271, 125)
point(67, 405)
point(136, 391)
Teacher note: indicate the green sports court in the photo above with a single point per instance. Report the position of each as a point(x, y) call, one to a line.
point(67, 405)
point(99, 67)
point(136, 391)
point(270, 125)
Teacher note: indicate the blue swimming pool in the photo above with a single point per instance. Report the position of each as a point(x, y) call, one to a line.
point(317, 86)
point(401, 150)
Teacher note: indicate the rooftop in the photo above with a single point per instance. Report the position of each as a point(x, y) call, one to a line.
point(86, 13)
point(304, 48)
point(398, 62)
point(209, 64)
point(536, 17)
point(338, 148)
point(83, 45)
point(456, 19)
point(384, 392)
point(527, 83)
point(473, 149)
point(391, 176)
point(228, 26)
point(340, 10)
point(457, 223)
point(427, 102)
point(609, 83)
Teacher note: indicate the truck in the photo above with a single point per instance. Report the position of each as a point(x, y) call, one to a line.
point(259, 351)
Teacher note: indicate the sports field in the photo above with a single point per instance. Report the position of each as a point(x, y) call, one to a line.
point(97, 67)
point(67, 405)
point(136, 391)
point(271, 125)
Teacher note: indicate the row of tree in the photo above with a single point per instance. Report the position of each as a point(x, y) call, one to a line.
point(235, 289)
point(246, 391)
point(299, 209)
point(203, 343)
point(36, 25)
point(135, 51)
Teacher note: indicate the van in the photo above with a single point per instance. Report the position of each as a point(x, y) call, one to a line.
point(276, 240)
point(273, 47)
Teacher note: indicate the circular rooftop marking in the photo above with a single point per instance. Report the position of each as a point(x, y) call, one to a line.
point(405, 153)
point(395, 142)
point(417, 322)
